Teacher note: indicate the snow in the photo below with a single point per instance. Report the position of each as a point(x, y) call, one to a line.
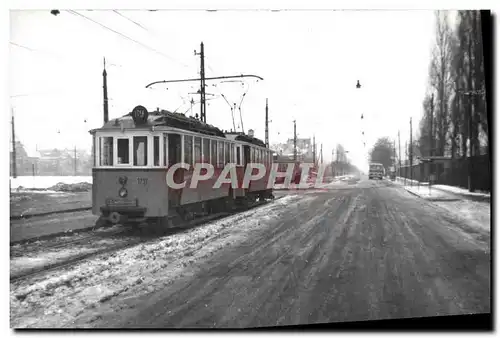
point(460, 191)
point(473, 213)
point(42, 182)
point(37, 302)
point(447, 188)
point(423, 191)
point(37, 259)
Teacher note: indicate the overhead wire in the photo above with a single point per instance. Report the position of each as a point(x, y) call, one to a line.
point(134, 22)
point(127, 37)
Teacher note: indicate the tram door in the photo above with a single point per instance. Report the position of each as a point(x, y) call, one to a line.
point(175, 156)
point(246, 155)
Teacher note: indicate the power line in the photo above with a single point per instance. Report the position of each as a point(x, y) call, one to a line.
point(127, 18)
point(21, 46)
point(127, 37)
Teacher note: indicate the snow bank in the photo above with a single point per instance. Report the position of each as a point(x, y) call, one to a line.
point(423, 191)
point(446, 188)
point(474, 214)
point(60, 296)
point(460, 191)
point(44, 182)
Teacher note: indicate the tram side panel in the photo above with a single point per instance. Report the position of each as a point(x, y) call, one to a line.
point(146, 192)
point(204, 190)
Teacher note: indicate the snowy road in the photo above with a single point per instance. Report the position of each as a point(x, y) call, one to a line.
point(360, 251)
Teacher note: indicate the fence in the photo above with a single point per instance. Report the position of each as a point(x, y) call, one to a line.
point(454, 172)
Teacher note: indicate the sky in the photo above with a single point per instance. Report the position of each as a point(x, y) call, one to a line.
point(310, 62)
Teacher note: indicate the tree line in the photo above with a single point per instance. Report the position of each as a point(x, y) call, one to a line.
point(454, 108)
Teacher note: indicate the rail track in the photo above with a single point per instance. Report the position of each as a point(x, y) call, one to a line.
point(48, 213)
point(144, 237)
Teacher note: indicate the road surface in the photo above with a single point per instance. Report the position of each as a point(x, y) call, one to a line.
point(361, 251)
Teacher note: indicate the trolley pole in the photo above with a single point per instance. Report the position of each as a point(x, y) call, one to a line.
point(14, 157)
point(294, 141)
point(105, 92)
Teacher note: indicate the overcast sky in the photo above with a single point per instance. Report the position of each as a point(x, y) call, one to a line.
point(310, 62)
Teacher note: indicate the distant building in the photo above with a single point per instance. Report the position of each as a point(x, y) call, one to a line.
point(51, 162)
point(304, 150)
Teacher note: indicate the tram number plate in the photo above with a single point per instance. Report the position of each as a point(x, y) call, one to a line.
point(121, 202)
point(142, 180)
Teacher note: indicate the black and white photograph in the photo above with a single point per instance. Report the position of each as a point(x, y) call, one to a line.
point(275, 168)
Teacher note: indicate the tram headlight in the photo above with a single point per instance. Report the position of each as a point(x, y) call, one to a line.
point(123, 192)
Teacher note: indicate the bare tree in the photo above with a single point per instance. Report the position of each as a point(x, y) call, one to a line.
point(441, 80)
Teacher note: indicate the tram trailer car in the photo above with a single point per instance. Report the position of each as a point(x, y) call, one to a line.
point(132, 155)
point(283, 163)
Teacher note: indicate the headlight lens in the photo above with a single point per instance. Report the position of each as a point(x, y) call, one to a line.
point(123, 192)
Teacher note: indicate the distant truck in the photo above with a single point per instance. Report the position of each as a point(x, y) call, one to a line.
point(377, 170)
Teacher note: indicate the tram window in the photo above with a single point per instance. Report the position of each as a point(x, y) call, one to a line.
point(214, 153)
point(220, 162)
point(93, 151)
point(227, 157)
point(232, 153)
point(106, 151)
point(197, 150)
point(165, 150)
point(140, 150)
point(238, 155)
point(156, 150)
point(206, 150)
point(174, 149)
point(188, 149)
point(123, 147)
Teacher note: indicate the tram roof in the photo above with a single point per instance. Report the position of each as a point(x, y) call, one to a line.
point(165, 118)
point(180, 121)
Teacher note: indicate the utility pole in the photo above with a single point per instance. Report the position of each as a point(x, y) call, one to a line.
point(75, 160)
point(294, 141)
point(471, 187)
point(394, 154)
point(431, 125)
point(406, 159)
point(321, 152)
point(105, 92)
point(399, 157)
point(431, 138)
point(333, 166)
point(267, 125)
point(14, 157)
point(314, 150)
point(411, 155)
point(203, 117)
